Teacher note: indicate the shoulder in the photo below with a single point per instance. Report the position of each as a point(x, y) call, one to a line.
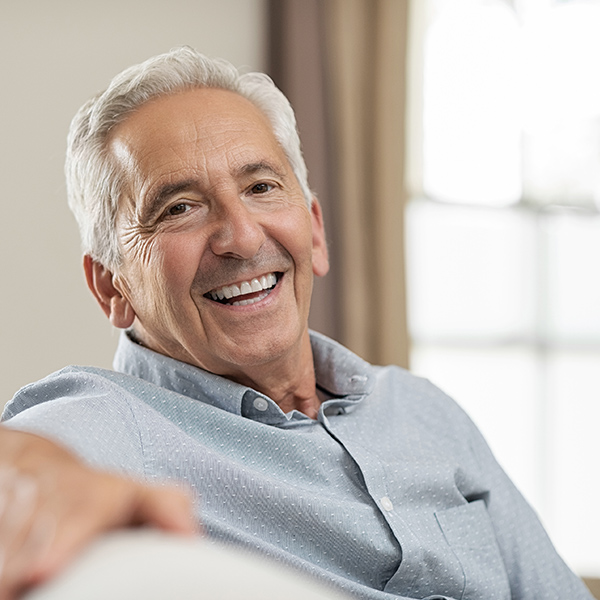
point(91, 411)
point(416, 402)
point(73, 383)
point(411, 390)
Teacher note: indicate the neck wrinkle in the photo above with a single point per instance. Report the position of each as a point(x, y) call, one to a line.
point(291, 385)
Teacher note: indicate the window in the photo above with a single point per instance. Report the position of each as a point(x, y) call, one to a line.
point(503, 242)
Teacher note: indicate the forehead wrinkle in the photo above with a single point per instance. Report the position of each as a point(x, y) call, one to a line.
point(262, 167)
point(153, 189)
point(200, 156)
point(232, 137)
point(249, 160)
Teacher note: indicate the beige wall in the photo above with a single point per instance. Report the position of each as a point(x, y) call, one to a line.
point(53, 56)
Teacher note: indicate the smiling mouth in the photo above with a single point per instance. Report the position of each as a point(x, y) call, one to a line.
point(246, 292)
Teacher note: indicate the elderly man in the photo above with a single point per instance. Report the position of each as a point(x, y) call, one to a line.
point(201, 239)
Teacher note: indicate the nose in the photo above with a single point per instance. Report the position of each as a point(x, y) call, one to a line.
point(237, 232)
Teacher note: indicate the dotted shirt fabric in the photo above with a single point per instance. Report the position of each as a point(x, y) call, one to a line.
point(390, 493)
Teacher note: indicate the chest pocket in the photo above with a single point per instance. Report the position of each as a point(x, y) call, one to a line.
point(470, 535)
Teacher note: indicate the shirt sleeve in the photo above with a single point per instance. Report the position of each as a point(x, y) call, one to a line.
point(85, 413)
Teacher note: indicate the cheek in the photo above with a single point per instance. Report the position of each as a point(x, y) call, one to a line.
point(164, 275)
point(174, 269)
point(176, 265)
point(294, 233)
point(161, 296)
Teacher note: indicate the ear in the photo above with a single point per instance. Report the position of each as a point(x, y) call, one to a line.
point(320, 256)
point(102, 284)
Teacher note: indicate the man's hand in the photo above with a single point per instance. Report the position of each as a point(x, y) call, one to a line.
point(51, 505)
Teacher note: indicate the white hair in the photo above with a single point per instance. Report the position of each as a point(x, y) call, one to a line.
point(95, 183)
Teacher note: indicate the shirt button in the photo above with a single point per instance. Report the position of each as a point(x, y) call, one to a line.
point(387, 504)
point(261, 404)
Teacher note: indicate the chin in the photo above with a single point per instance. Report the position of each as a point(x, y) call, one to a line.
point(255, 351)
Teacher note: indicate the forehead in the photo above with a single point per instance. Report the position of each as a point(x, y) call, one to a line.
point(194, 129)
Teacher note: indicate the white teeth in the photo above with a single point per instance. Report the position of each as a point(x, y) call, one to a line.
point(251, 301)
point(246, 287)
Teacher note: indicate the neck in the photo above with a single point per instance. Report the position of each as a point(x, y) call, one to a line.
point(290, 382)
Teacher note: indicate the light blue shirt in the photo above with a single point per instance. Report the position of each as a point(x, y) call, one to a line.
point(391, 492)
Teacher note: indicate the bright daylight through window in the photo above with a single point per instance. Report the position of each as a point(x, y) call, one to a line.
point(503, 236)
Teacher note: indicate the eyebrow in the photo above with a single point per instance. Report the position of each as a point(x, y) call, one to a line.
point(161, 195)
point(260, 167)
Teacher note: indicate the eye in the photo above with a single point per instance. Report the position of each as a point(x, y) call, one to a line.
point(178, 209)
point(261, 188)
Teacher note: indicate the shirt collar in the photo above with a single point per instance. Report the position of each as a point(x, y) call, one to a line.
point(339, 371)
point(345, 377)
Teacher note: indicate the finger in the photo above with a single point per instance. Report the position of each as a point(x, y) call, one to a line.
point(116, 503)
point(170, 509)
point(18, 497)
point(101, 505)
point(24, 533)
point(20, 563)
point(40, 533)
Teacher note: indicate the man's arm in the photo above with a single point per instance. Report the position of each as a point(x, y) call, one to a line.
point(51, 505)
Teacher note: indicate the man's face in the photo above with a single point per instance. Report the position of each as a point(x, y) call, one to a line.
point(212, 209)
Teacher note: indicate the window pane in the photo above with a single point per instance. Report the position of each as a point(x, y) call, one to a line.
point(561, 96)
point(471, 121)
point(561, 163)
point(504, 303)
point(574, 278)
point(498, 388)
point(470, 272)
